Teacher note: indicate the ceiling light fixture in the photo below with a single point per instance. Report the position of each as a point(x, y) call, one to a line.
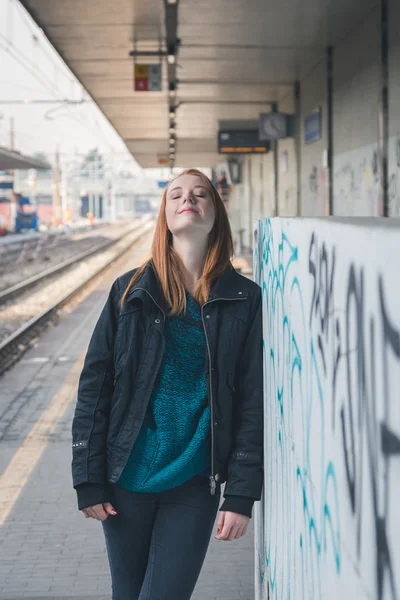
point(172, 129)
point(172, 141)
point(171, 1)
point(171, 59)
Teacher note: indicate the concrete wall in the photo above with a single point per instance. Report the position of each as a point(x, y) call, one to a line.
point(287, 177)
point(356, 98)
point(314, 179)
point(254, 197)
point(356, 172)
point(328, 524)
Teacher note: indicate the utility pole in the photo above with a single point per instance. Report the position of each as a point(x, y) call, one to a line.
point(12, 133)
point(56, 190)
point(13, 203)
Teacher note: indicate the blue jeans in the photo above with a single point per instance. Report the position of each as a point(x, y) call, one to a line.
point(157, 542)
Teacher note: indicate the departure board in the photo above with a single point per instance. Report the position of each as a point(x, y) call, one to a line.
point(241, 141)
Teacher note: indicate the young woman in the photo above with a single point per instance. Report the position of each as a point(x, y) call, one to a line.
point(170, 402)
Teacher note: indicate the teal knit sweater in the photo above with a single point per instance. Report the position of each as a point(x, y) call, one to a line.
point(174, 444)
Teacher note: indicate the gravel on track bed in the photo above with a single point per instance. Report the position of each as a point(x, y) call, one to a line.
point(53, 252)
point(20, 310)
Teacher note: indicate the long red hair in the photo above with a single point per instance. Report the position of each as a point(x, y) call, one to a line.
point(168, 266)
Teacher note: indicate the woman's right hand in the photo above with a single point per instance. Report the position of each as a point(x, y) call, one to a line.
point(100, 512)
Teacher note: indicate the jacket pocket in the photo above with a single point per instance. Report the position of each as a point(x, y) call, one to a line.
point(248, 457)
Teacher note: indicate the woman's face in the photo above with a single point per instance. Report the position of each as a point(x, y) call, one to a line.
point(189, 207)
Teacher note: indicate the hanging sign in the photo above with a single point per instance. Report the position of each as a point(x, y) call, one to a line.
point(147, 78)
point(162, 159)
point(241, 141)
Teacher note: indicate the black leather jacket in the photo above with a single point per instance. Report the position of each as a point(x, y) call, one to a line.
point(121, 365)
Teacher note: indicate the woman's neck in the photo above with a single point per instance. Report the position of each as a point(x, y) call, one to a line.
point(192, 253)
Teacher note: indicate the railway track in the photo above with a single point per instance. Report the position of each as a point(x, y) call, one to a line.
point(22, 287)
point(16, 344)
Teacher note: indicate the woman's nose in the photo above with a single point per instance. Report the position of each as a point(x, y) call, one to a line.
point(188, 197)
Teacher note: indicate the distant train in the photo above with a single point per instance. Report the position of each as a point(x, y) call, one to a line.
point(17, 213)
point(27, 216)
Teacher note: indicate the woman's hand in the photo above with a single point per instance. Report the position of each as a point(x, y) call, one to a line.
point(231, 526)
point(99, 512)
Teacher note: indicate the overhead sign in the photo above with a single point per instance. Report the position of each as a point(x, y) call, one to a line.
point(313, 127)
point(147, 78)
point(241, 141)
point(162, 159)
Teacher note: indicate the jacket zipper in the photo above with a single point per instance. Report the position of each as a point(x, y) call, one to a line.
point(213, 483)
point(159, 362)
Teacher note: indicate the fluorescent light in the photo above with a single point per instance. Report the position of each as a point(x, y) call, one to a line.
point(171, 59)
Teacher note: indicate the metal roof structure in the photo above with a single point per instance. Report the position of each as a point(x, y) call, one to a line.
point(229, 59)
point(11, 160)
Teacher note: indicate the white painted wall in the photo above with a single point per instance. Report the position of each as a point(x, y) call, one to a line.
point(329, 521)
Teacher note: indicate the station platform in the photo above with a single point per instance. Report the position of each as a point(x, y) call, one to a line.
point(47, 548)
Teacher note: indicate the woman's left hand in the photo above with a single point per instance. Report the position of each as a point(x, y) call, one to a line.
point(231, 526)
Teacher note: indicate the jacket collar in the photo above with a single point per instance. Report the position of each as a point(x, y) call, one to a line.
point(229, 286)
point(148, 282)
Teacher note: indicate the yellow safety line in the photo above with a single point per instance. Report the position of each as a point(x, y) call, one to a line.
point(28, 455)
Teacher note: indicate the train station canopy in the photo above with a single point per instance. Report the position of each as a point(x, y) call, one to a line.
point(11, 160)
point(228, 60)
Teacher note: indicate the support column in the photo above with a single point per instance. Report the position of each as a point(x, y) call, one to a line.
point(384, 111)
point(297, 103)
point(250, 206)
point(274, 108)
point(330, 128)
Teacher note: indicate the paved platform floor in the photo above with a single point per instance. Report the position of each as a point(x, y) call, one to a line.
point(47, 548)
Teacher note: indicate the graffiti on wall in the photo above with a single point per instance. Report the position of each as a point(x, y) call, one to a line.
point(317, 193)
point(356, 183)
point(328, 520)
